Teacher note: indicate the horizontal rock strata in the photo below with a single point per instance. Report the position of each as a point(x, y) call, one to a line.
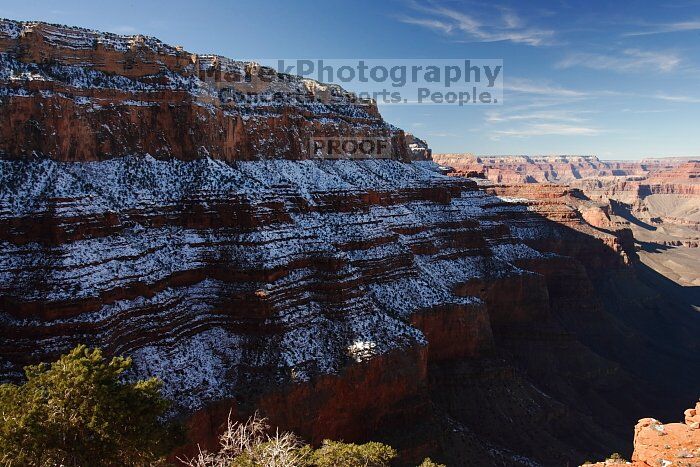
point(79, 95)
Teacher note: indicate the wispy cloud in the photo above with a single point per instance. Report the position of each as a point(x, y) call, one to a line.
point(628, 60)
point(646, 111)
point(442, 134)
point(530, 87)
point(503, 25)
point(434, 24)
point(680, 26)
point(676, 98)
point(549, 115)
point(549, 129)
point(524, 122)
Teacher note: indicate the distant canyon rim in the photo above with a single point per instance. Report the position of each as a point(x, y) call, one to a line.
point(659, 197)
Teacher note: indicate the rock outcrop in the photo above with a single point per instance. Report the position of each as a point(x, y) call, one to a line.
point(664, 444)
point(419, 148)
point(671, 444)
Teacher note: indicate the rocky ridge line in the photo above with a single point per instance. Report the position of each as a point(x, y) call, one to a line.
point(74, 94)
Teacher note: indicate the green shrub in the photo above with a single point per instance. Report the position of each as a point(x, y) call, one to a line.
point(248, 444)
point(79, 411)
point(334, 453)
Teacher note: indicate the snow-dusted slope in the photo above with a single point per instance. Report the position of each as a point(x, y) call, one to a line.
point(202, 270)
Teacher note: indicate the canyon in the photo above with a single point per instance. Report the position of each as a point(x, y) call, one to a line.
point(153, 208)
point(658, 198)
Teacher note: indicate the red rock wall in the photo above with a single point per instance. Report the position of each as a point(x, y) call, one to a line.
point(364, 398)
point(80, 95)
point(455, 331)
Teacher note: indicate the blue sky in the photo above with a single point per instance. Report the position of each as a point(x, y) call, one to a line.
point(617, 79)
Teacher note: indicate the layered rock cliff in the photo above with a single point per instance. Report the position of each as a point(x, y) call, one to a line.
point(146, 211)
point(79, 95)
point(565, 169)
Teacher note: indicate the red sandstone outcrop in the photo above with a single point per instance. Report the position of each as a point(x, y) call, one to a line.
point(665, 444)
point(670, 444)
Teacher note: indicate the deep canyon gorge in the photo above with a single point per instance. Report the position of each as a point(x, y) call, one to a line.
point(505, 312)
